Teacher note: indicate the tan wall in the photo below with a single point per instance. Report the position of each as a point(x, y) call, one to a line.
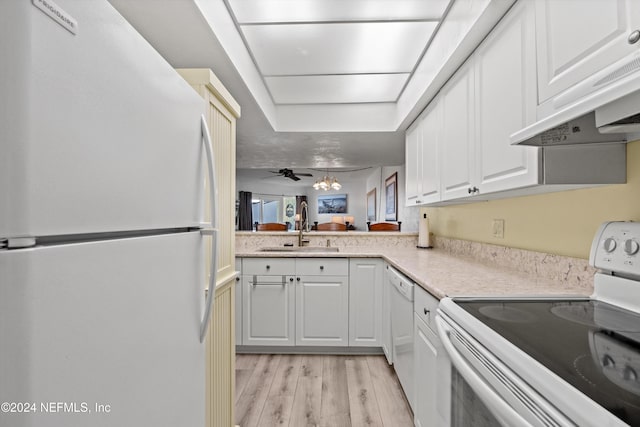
point(562, 223)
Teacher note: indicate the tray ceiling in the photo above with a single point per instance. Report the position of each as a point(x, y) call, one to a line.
point(336, 51)
point(322, 83)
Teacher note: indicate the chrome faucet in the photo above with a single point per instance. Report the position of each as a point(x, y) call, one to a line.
point(304, 223)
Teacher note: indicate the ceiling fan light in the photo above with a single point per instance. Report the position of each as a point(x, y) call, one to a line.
point(335, 184)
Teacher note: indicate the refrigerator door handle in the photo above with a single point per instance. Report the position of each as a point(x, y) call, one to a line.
point(212, 231)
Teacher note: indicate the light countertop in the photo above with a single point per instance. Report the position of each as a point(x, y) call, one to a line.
point(443, 274)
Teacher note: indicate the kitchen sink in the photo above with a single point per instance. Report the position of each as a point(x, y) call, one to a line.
point(299, 249)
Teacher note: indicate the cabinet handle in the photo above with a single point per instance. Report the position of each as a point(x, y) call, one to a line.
point(268, 267)
point(297, 279)
point(418, 202)
point(321, 267)
point(634, 37)
point(291, 279)
point(426, 312)
point(255, 282)
point(237, 279)
point(473, 190)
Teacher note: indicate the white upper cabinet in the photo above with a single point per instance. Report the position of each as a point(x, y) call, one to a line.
point(505, 95)
point(458, 139)
point(578, 38)
point(430, 135)
point(413, 169)
point(461, 142)
point(422, 158)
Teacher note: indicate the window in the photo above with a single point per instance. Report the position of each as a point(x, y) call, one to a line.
point(267, 208)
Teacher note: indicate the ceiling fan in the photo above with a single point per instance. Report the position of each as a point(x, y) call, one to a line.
point(288, 173)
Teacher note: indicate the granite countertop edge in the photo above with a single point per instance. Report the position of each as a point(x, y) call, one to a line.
point(443, 274)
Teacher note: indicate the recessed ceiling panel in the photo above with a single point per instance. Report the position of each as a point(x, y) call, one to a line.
point(346, 48)
point(262, 11)
point(336, 89)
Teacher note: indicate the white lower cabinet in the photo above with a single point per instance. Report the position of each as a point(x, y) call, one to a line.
point(387, 341)
point(295, 302)
point(366, 278)
point(322, 310)
point(425, 357)
point(238, 310)
point(427, 348)
point(238, 303)
point(268, 310)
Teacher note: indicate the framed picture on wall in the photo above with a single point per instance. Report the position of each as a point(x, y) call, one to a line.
point(332, 204)
point(371, 205)
point(391, 198)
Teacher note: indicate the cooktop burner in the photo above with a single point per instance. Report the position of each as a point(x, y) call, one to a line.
point(592, 345)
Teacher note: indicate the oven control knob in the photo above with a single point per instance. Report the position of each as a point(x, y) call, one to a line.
point(610, 244)
point(629, 374)
point(607, 362)
point(631, 247)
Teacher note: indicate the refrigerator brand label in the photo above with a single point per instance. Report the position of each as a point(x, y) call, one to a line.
point(57, 14)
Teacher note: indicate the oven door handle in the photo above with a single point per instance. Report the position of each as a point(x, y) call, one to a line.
point(505, 413)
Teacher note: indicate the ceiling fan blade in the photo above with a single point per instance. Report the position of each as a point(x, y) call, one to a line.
point(293, 177)
point(304, 174)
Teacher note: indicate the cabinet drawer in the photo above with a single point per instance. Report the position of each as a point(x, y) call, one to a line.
point(322, 267)
point(269, 266)
point(425, 306)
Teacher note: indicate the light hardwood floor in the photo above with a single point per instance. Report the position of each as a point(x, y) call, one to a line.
point(318, 390)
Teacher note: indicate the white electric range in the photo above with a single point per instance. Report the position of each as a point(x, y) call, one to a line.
point(550, 361)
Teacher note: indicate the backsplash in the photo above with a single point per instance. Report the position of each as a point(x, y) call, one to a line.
point(574, 271)
point(251, 241)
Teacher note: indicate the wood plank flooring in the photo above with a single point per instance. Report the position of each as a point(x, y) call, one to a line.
point(318, 390)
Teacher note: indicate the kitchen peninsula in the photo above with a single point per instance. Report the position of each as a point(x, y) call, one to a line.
point(453, 267)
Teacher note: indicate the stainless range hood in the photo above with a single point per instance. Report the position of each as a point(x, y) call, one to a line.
point(621, 116)
point(581, 123)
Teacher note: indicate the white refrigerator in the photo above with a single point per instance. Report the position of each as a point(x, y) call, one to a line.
point(102, 165)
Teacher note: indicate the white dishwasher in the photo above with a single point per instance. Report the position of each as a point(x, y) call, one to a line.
point(402, 330)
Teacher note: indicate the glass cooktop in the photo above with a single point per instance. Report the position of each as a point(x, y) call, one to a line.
point(592, 345)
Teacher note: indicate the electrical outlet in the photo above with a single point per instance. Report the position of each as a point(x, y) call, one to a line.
point(497, 228)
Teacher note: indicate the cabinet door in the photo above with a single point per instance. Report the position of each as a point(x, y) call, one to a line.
point(425, 360)
point(506, 102)
point(578, 38)
point(238, 311)
point(430, 135)
point(269, 311)
point(387, 343)
point(365, 302)
point(412, 164)
point(238, 303)
point(322, 316)
point(458, 142)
